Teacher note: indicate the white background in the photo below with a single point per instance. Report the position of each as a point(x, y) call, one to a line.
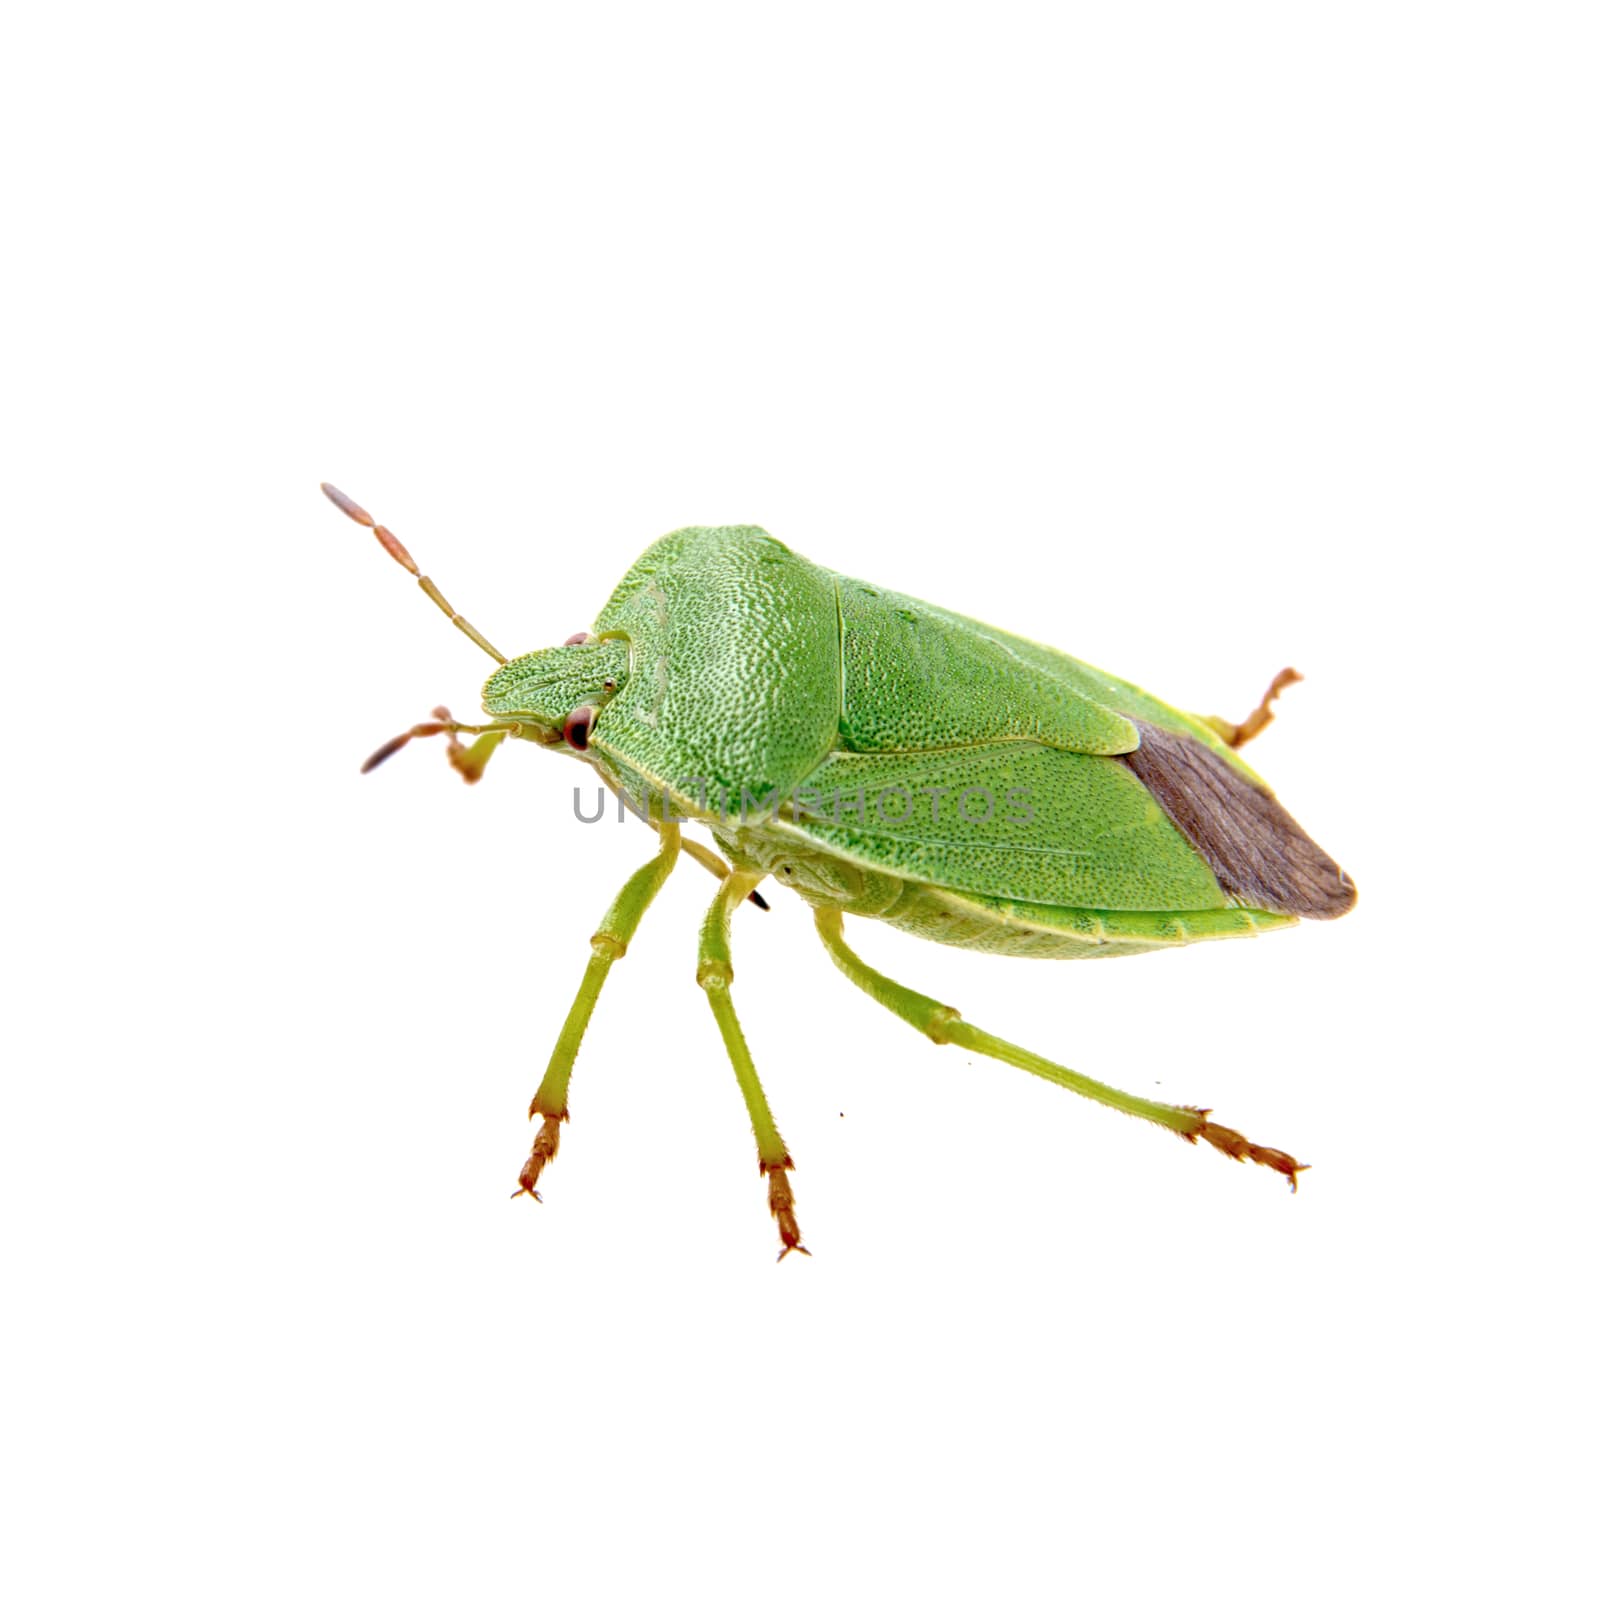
point(1195, 340)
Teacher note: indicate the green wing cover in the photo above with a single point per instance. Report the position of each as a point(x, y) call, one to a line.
point(917, 678)
point(1013, 820)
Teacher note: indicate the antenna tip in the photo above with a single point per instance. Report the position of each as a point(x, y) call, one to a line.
point(348, 506)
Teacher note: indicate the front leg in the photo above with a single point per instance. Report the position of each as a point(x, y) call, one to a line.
point(609, 945)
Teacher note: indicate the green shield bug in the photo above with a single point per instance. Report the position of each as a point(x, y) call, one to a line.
point(886, 758)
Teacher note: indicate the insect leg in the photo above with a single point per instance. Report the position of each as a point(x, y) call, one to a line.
point(715, 976)
point(943, 1024)
point(468, 760)
point(709, 859)
point(718, 868)
point(609, 944)
point(1238, 733)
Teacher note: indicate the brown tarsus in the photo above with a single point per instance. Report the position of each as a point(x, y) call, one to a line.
point(1235, 734)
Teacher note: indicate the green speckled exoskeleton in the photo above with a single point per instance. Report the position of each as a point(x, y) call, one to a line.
point(886, 758)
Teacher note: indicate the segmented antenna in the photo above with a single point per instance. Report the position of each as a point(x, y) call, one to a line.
point(403, 556)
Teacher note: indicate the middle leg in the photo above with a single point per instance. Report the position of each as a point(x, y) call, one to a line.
point(715, 975)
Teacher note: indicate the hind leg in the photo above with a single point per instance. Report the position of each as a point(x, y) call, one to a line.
point(943, 1025)
point(1235, 734)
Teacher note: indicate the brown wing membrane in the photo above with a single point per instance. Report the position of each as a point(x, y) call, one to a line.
point(1259, 853)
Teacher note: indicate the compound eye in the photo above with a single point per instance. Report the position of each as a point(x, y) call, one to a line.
point(580, 719)
point(579, 638)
